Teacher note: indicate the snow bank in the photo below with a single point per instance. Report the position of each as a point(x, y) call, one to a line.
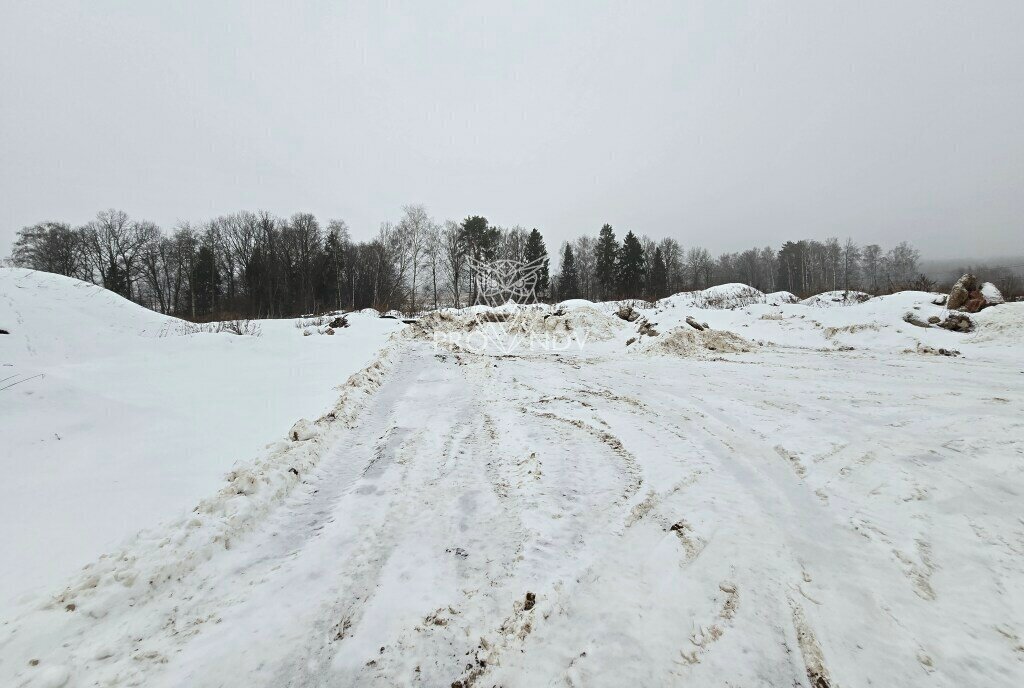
point(113, 420)
point(836, 298)
point(575, 303)
point(778, 298)
point(732, 295)
point(1002, 325)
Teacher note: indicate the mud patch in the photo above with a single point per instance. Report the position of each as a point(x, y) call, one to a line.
point(810, 650)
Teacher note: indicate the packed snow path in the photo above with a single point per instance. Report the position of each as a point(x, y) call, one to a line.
point(784, 518)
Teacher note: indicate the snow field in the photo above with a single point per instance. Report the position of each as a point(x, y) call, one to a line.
point(812, 502)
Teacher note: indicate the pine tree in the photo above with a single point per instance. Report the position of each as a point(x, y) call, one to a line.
point(480, 242)
point(537, 253)
point(657, 284)
point(333, 267)
point(631, 268)
point(568, 279)
point(605, 259)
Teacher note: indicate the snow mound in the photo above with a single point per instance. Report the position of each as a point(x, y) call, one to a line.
point(582, 320)
point(122, 417)
point(828, 299)
point(723, 296)
point(575, 303)
point(1002, 325)
point(779, 298)
point(62, 314)
point(992, 294)
point(734, 295)
point(686, 342)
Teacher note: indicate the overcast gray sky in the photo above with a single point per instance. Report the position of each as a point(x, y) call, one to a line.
point(725, 124)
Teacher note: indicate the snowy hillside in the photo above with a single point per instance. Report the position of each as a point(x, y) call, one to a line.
point(113, 421)
point(728, 488)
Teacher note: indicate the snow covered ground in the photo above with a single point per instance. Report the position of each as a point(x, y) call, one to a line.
point(112, 420)
point(802, 495)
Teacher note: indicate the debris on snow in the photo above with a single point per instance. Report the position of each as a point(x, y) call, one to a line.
point(956, 322)
point(940, 351)
point(627, 313)
point(687, 343)
point(531, 600)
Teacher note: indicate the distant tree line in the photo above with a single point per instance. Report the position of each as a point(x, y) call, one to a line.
point(256, 265)
point(602, 269)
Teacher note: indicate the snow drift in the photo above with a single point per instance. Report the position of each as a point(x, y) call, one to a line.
point(115, 418)
point(726, 296)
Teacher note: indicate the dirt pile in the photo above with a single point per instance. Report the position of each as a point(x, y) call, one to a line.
point(690, 343)
point(583, 324)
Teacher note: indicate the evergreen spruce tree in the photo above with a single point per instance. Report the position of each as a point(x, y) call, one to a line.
point(605, 259)
point(537, 253)
point(206, 281)
point(657, 284)
point(631, 268)
point(569, 279)
point(332, 273)
point(480, 242)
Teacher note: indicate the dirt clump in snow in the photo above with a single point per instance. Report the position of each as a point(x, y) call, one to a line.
point(647, 328)
point(957, 322)
point(627, 313)
point(531, 600)
point(688, 343)
point(932, 351)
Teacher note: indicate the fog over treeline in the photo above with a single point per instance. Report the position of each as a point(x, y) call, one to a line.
point(255, 265)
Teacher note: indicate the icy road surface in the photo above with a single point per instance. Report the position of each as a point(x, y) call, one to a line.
point(783, 518)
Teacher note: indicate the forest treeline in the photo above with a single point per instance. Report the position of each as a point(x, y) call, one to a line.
point(255, 265)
